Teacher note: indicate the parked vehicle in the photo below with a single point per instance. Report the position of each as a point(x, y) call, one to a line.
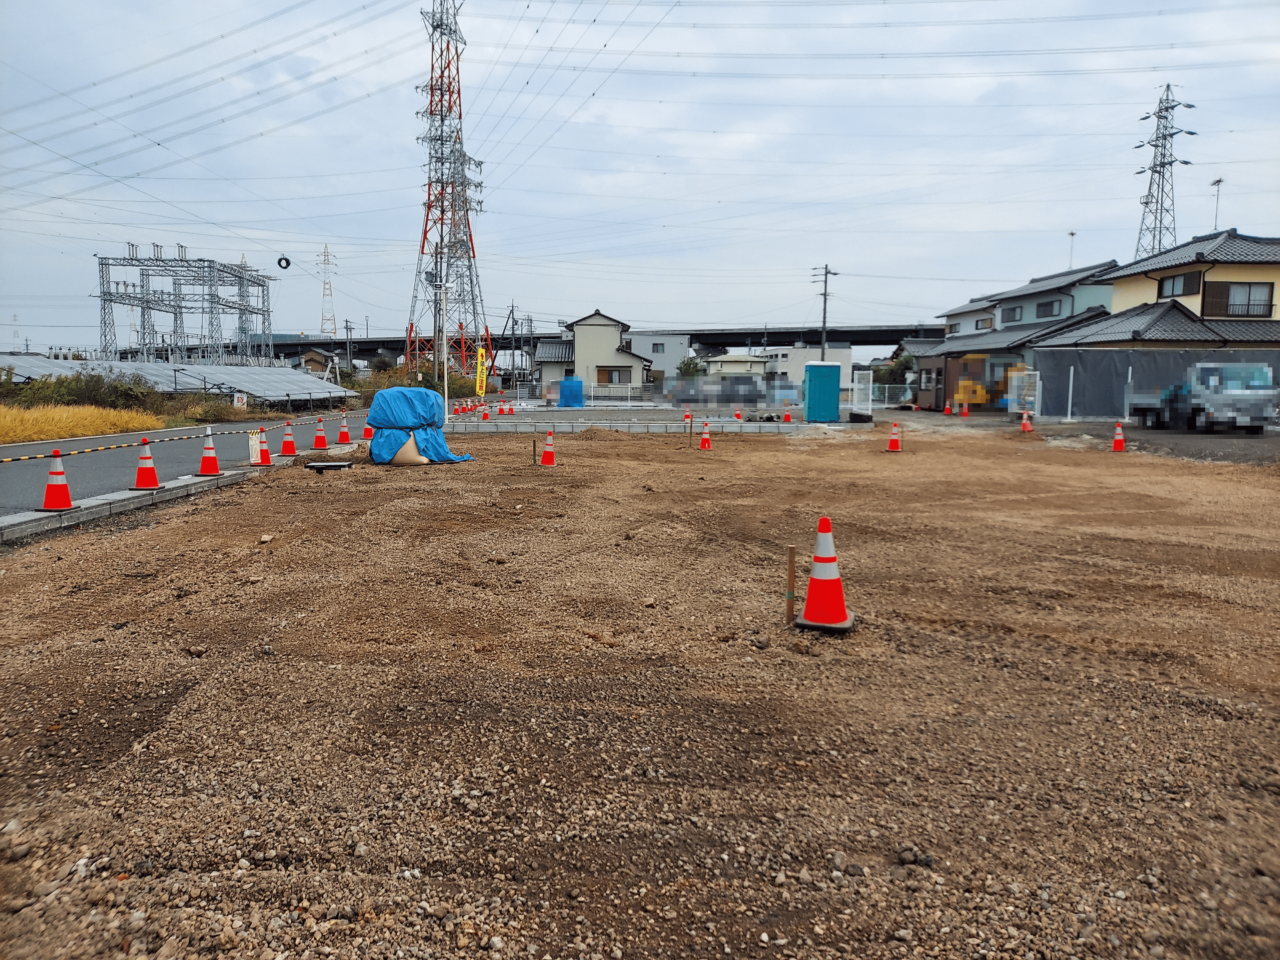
point(1213, 395)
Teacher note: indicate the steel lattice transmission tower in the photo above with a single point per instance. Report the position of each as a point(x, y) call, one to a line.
point(1158, 231)
point(446, 299)
point(328, 319)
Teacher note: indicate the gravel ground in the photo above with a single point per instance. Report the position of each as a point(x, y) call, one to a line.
point(495, 710)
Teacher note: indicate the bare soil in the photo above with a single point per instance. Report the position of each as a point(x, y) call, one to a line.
point(494, 709)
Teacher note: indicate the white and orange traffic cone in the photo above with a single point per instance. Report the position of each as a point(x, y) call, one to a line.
point(548, 451)
point(147, 478)
point(344, 432)
point(57, 495)
point(484, 415)
point(687, 415)
point(946, 411)
point(964, 412)
point(455, 409)
point(368, 430)
point(737, 414)
point(209, 459)
point(1026, 422)
point(824, 606)
point(321, 442)
point(1117, 443)
point(895, 441)
point(287, 447)
point(705, 444)
point(786, 416)
point(264, 451)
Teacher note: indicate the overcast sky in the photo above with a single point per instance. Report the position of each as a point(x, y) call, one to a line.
point(671, 164)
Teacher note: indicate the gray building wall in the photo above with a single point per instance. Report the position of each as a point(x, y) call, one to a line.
point(671, 349)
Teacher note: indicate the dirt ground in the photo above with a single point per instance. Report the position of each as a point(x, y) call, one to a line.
point(500, 710)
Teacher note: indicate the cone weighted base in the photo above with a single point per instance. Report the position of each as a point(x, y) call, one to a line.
point(844, 626)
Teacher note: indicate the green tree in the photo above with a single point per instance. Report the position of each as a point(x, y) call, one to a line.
point(897, 371)
point(689, 367)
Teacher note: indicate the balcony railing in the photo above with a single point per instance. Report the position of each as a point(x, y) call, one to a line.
point(1257, 310)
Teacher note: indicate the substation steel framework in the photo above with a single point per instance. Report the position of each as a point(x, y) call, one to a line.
point(199, 289)
point(1159, 231)
point(446, 298)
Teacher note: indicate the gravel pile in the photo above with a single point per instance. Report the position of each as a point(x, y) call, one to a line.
point(495, 710)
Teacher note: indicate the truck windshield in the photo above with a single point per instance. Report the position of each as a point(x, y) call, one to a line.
point(1236, 377)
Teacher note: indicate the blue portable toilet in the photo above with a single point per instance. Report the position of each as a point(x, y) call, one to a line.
point(822, 392)
point(571, 392)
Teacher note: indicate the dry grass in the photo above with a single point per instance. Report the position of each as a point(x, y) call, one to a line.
point(18, 425)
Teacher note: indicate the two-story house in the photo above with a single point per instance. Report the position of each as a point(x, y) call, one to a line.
point(593, 348)
point(990, 335)
point(1210, 300)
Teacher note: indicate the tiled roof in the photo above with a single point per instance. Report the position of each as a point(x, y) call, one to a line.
point(1014, 335)
point(1168, 321)
point(553, 351)
point(918, 348)
point(648, 362)
point(602, 316)
point(1052, 281)
point(1224, 247)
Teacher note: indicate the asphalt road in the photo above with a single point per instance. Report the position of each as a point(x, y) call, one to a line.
point(106, 471)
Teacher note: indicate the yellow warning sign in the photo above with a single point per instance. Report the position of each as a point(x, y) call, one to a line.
point(480, 372)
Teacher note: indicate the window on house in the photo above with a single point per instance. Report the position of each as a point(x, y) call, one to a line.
point(982, 324)
point(926, 378)
point(1181, 285)
point(1048, 308)
point(1238, 299)
point(658, 348)
point(626, 344)
point(614, 375)
point(953, 328)
point(1010, 314)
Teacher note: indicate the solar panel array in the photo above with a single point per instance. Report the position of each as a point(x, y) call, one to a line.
point(263, 383)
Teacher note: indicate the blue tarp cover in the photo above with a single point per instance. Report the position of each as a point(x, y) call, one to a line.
point(571, 392)
point(398, 411)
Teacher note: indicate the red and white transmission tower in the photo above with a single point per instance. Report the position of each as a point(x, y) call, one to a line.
point(446, 288)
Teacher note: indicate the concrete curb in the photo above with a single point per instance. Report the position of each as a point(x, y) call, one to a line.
point(577, 426)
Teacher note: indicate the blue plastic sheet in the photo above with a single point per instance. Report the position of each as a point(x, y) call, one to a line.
point(571, 392)
point(398, 411)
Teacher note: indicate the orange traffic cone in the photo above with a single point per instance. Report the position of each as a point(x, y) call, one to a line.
point(1026, 422)
point(706, 437)
point(687, 415)
point(737, 414)
point(548, 452)
point(1117, 444)
point(147, 478)
point(368, 430)
point(209, 460)
point(344, 433)
point(786, 416)
point(287, 448)
point(455, 409)
point(485, 414)
point(57, 495)
point(895, 441)
point(964, 412)
point(946, 411)
point(321, 442)
point(824, 607)
point(264, 451)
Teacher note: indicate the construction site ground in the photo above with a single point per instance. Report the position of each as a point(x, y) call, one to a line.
point(502, 710)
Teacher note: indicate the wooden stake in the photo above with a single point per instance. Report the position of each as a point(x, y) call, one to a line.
point(791, 584)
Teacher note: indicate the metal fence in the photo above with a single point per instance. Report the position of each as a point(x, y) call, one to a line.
point(890, 394)
point(1023, 393)
point(861, 392)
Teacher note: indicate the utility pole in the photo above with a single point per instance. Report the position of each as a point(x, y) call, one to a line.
point(350, 363)
point(1217, 193)
point(1071, 250)
point(1158, 231)
point(826, 272)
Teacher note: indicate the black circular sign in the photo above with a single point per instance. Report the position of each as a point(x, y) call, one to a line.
point(283, 263)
